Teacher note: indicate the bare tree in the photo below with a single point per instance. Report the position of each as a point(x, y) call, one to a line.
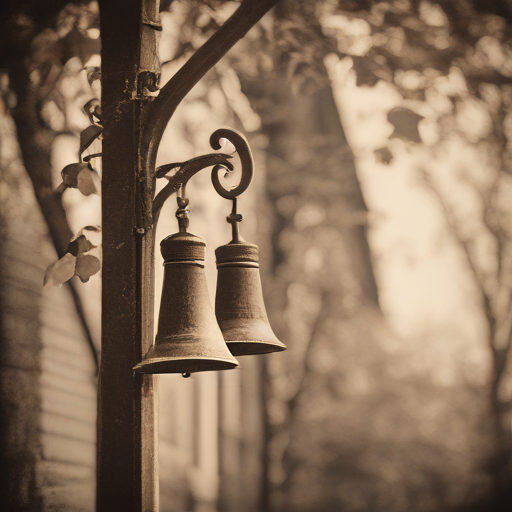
point(423, 42)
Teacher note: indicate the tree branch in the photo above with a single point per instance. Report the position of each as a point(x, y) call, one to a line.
point(465, 245)
point(293, 400)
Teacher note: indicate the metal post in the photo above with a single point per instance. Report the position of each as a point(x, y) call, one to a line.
point(127, 408)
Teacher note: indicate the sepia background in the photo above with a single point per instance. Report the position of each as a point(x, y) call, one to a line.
point(382, 206)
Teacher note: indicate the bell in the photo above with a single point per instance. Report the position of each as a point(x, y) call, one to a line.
point(188, 339)
point(239, 306)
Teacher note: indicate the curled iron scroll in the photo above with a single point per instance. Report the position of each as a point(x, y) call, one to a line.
point(218, 160)
point(245, 154)
point(185, 171)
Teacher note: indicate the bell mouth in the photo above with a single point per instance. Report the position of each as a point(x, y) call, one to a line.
point(250, 336)
point(249, 347)
point(184, 365)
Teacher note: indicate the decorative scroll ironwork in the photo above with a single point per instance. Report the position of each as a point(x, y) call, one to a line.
point(219, 161)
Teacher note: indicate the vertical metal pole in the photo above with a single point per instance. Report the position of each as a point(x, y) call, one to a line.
point(127, 404)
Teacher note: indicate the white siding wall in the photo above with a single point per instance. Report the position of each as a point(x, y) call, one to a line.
point(47, 374)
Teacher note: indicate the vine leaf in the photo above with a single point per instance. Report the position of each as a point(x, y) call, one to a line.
point(94, 235)
point(96, 229)
point(88, 181)
point(405, 122)
point(89, 135)
point(79, 245)
point(70, 174)
point(81, 176)
point(86, 266)
point(60, 271)
point(76, 261)
point(60, 189)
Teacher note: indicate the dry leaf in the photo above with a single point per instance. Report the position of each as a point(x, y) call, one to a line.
point(89, 135)
point(79, 245)
point(60, 271)
point(70, 174)
point(93, 234)
point(96, 229)
point(405, 122)
point(89, 182)
point(93, 109)
point(86, 266)
point(93, 73)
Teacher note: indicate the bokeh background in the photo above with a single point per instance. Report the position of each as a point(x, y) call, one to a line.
point(382, 134)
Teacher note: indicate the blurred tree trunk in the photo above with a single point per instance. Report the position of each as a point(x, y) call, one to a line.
point(323, 297)
point(322, 267)
point(496, 301)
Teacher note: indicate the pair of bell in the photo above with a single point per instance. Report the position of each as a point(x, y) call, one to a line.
point(190, 337)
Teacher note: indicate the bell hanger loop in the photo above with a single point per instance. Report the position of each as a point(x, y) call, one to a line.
point(234, 219)
point(182, 213)
point(243, 151)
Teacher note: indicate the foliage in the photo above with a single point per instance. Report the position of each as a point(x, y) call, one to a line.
point(82, 176)
point(449, 61)
point(451, 64)
point(43, 48)
point(77, 261)
point(45, 78)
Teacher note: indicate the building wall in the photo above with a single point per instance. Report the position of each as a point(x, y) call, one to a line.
point(47, 373)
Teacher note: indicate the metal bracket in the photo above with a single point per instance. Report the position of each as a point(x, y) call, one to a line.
point(219, 161)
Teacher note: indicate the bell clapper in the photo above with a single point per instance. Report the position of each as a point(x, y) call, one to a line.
point(185, 375)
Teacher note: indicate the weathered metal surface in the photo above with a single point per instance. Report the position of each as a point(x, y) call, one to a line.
point(243, 151)
point(188, 339)
point(239, 305)
point(219, 161)
point(185, 172)
point(127, 462)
